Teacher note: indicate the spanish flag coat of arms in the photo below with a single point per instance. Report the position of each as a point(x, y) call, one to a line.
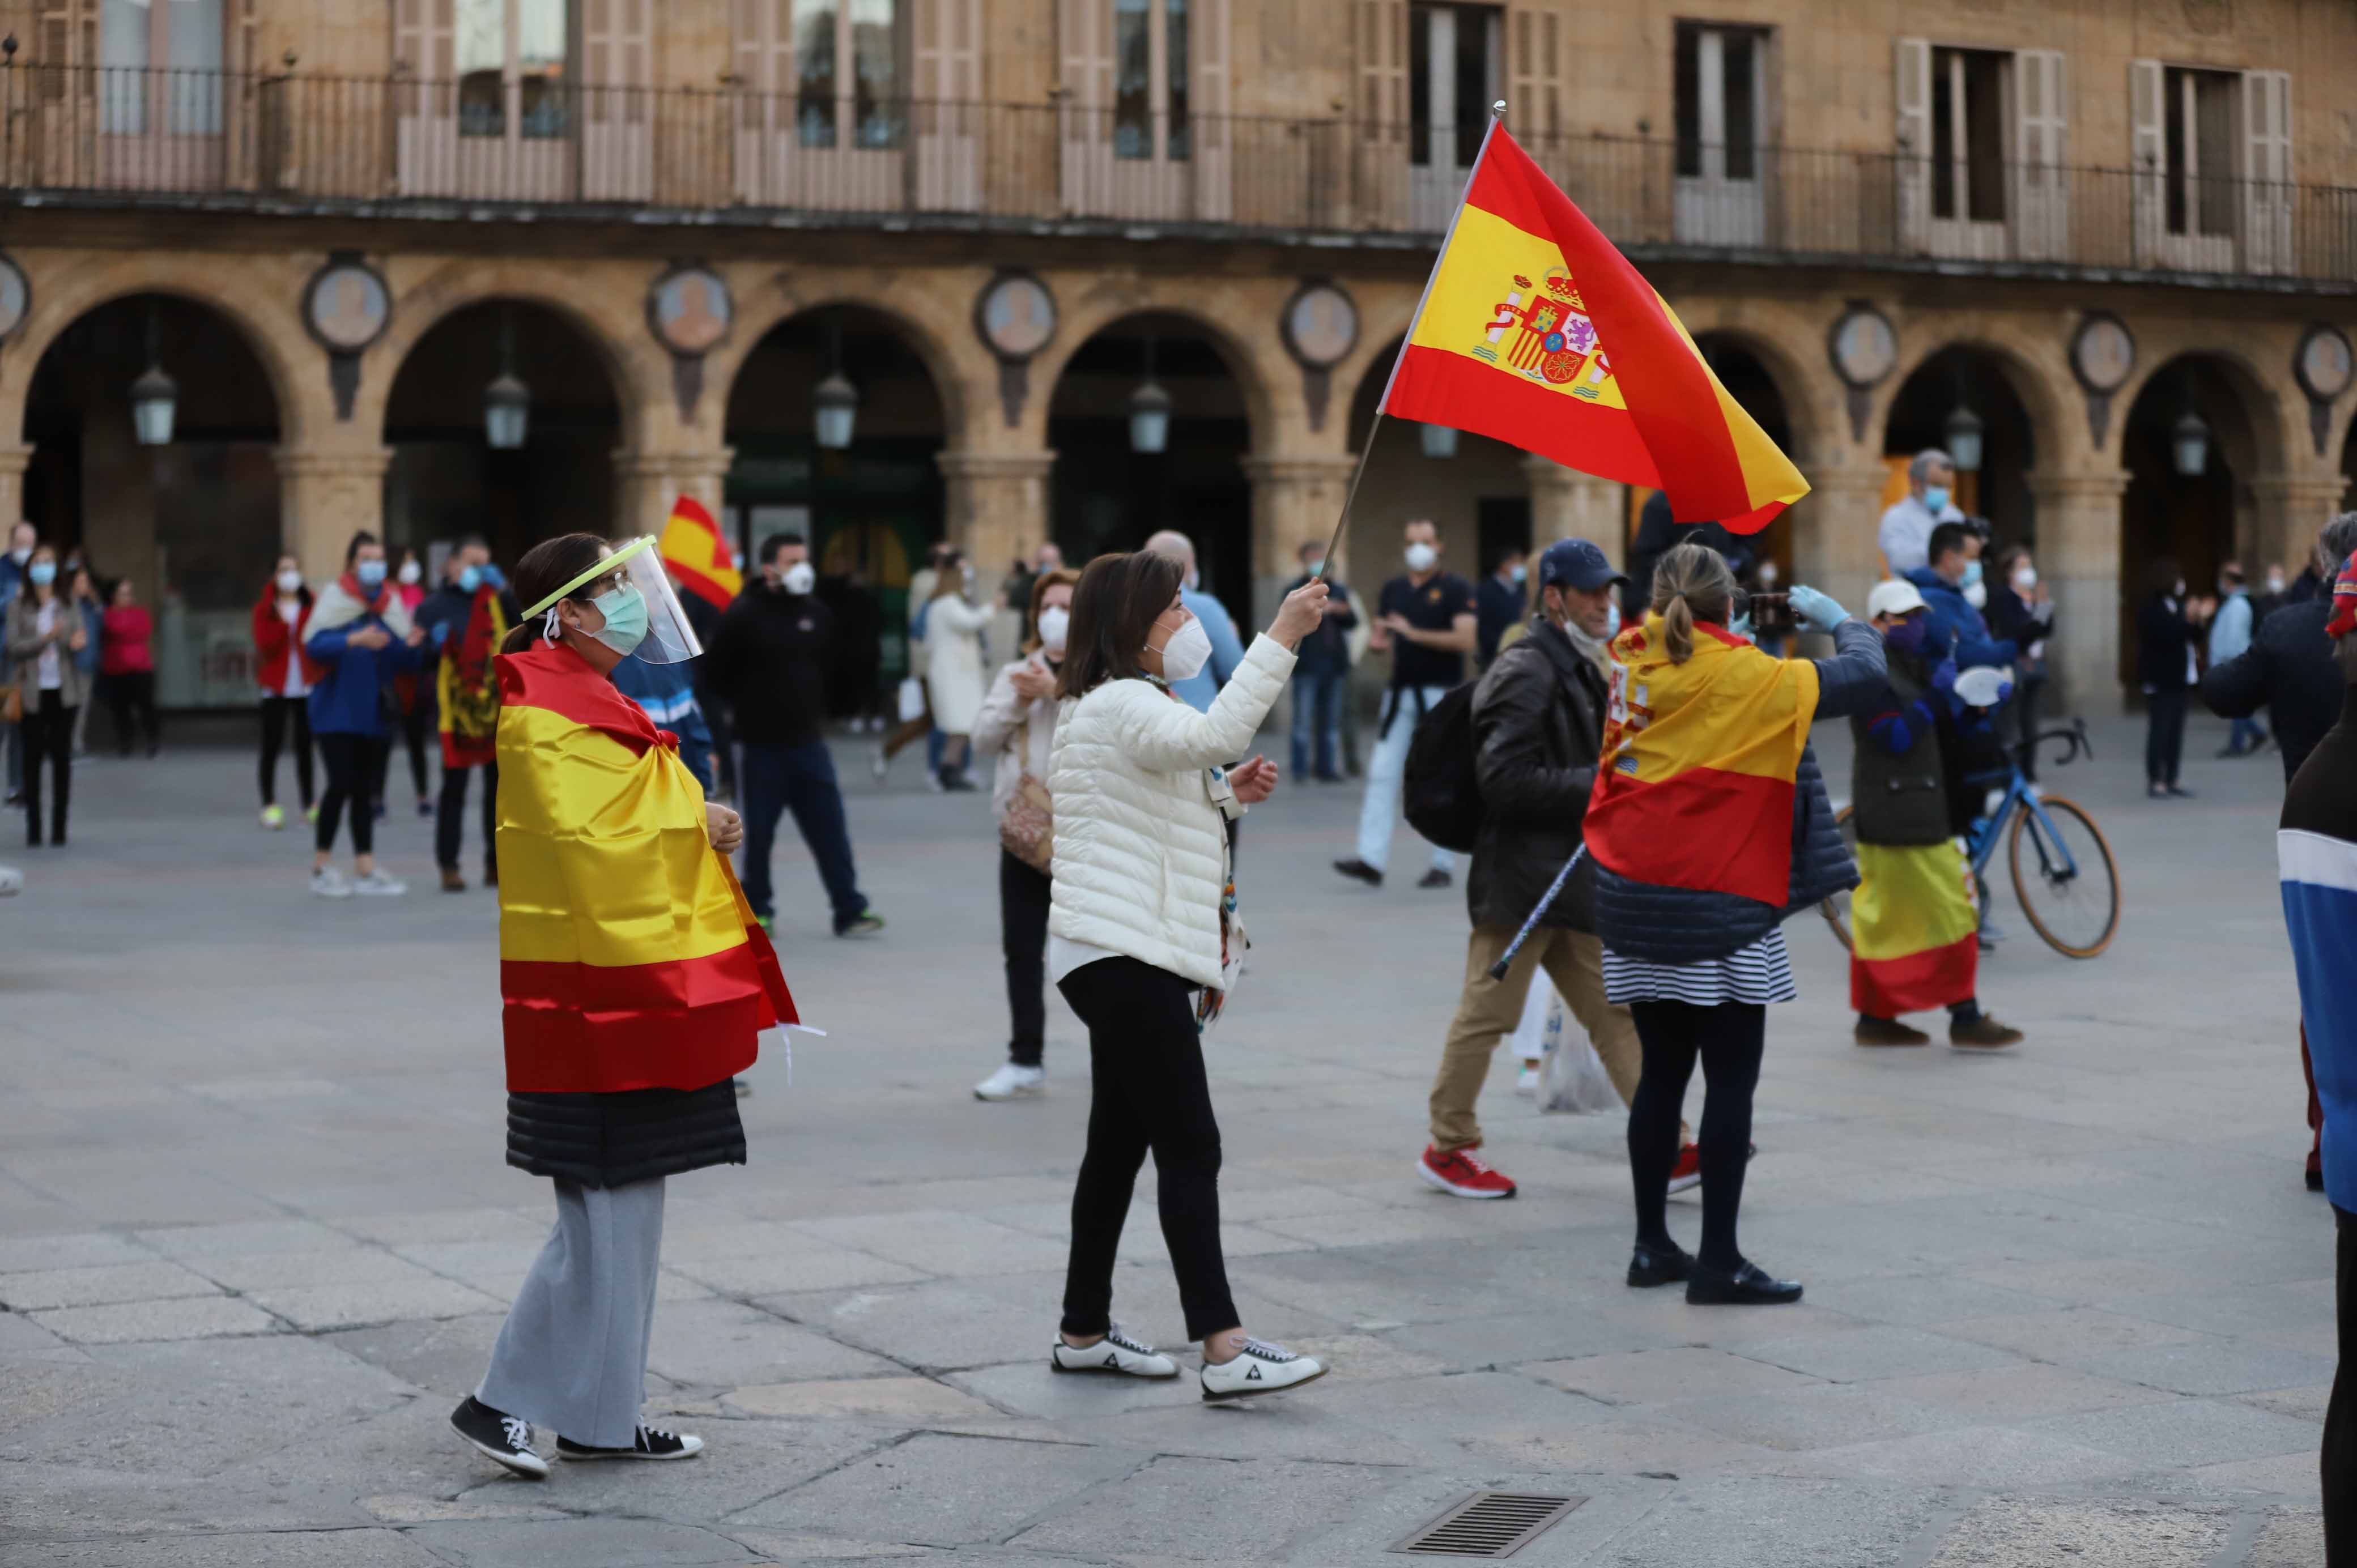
point(629, 958)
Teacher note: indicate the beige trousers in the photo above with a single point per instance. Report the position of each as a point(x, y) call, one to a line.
point(1490, 1008)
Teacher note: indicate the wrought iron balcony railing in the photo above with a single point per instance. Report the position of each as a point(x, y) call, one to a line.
point(484, 145)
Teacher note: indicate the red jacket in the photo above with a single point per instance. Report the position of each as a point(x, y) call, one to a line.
point(273, 644)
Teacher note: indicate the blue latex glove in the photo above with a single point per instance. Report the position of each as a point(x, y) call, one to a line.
point(1816, 611)
point(1944, 676)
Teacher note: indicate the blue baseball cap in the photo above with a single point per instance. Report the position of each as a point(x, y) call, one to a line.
point(1576, 564)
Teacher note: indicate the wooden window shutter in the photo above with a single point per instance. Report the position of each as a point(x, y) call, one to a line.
point(1912, 97)
point(1086, 29)
point(2148, 158)
point(1383, 71)
point(2041, 152)
point(2266, 171)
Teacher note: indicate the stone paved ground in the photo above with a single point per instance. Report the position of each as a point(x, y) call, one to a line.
point(2068, 1305)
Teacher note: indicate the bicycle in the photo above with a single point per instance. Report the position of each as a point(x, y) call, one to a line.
point(2076, 907)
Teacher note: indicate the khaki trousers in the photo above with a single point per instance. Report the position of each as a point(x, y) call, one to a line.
point(1490, 1008)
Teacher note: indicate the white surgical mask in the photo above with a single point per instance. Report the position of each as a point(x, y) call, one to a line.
point(1977, 593)
point(410, 572)
point(22, 553)
point(2275, 580)
point(290, 581)
point(1421, 556)
point(2025, 579)
point(1055, 624)
point(801, 577)
point(1189, 650)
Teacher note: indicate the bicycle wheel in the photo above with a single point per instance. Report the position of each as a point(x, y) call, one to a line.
point(2072, 898)
point(1836, 909)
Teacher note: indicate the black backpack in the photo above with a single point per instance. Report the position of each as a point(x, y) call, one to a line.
point(1441, 791)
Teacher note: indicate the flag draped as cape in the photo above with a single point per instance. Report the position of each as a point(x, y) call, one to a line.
point(465, 693)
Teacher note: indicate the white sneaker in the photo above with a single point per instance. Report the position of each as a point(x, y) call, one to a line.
point(326, 882)
point(1012, 1082)
point(1118, 1355)
point(1259, 1368)
point(11, 882)
point(1528, 1083)
point(377, 885)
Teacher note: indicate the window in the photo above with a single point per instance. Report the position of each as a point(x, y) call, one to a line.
point(512, 58)
point(2197, 110)
point(1717, 108)
point(1968, 117)
point(1456, 59)
point(161, 60)
point(1150, 45)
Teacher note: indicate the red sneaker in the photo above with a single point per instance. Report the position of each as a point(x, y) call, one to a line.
point(1462, 1174)
point(1687, 1173)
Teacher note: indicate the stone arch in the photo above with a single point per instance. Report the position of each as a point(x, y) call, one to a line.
point(1234, 341)
point(1781, 340)
point(926, 328)
point(2273, 438)
point(2034, 373)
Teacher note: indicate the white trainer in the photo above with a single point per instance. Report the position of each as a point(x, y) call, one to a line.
point(1117, 1355)
point(377, 885)
point(1528, 1083)
point(326, 882)
point(1259, 1369)
point(1012, 1082)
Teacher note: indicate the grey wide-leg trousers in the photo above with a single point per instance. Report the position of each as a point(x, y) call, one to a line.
point(572, 1353)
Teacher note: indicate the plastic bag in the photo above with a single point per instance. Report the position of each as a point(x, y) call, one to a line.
point(1571, 1076)
point(913, 699)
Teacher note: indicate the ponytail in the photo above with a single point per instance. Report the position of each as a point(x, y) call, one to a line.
point(1677, 630)
point(1691, 583)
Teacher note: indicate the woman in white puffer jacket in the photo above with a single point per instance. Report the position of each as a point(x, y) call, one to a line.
point(1136, 925)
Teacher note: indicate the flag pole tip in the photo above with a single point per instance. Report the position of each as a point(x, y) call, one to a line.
point(1498, 110)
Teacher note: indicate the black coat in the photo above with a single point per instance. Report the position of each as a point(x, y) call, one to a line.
point(768, 661)
point(2289, 669)
point(2163, 635)
point(1901, 798)
point(1538, 723)
point(611, 1140)
point(1657, 535)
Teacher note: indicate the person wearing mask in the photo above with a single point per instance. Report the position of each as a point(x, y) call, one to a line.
point(411, 700)
point(126, 666)
point(1015, 593)
point(463, 621)
point(1503, 602)
point(282, 619)
point(2230, 637)
point(1141, 932)
point(1321, 675)
point(45, 639)
point(615, 867)
point(2168, 625)
point(1709, 827)
point(1905, 533)
point(362, 638)
point(81, 592)
point(1200, 689)
point(2275, 597)
point(2022, 611)
point(1957, 626)
point(1538, 720)
point(770, 664)
point(1017, 726)
point(1913, 922)
point(22, 538)
point(1430, 619)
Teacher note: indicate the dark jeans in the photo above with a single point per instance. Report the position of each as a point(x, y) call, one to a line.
point(1728, 1038)
point(716, 715)
point(450, 814)
point(276, 713)
point(1150, 1094)
point(49, 735)
point(131, 695)
point(800, 779)
point(412, 728)
point(2026, 695)
point(1318, 698)
point(355, 763)
point(1023, 926)
point(2164, 736)
point(2338, 1459)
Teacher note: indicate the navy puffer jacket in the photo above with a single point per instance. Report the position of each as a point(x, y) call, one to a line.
point(1683, 925)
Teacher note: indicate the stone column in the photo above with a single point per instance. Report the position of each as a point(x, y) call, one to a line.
point(647, 483)
point(1294, 500)
point(997, 505)
point(325, 495)
point(1834, 526)
point(1568, 504)
point(14, 461)
point(2078, 557)
point(2292, 509)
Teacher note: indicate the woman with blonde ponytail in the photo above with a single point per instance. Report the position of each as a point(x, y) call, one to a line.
point(1708, 827)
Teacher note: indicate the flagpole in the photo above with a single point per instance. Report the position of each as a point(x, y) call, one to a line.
point(1366, 448)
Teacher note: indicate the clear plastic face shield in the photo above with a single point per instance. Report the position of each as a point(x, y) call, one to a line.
point(637, 564)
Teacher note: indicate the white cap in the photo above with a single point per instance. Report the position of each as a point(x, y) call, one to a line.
point(1892, 597)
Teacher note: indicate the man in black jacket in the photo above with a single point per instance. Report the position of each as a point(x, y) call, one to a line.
point(1538, 723)
point(769, 662)
point(2288, 668)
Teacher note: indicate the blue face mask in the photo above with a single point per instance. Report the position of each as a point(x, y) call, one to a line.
point(625, 609)
point(1936, 499)
point(42, 572)
point(1906, 636)
point(1972, 574)
point(1520, 573)
point(370, 574)
point(470, 578)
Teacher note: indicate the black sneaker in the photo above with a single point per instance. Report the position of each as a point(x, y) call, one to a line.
point(867, 923)
point(651, 1443)
point(497, 1435)
point(1359, 870)
point(1436, 877)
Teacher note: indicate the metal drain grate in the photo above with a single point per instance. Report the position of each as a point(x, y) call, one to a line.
point(1489, 1524)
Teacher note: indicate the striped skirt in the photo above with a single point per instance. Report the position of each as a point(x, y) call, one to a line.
point(1758, 974)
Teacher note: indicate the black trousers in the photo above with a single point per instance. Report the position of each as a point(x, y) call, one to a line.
point(1023, 927)
point(277, 713)
point(1150, 1092)
point(412, 728)
point(2164, 736)
point(2338, 1459)
point(132, 697)
point(48, 730)
point(450, 814)
point(2025, 720)
point(355, 763)
point(1728, 1039)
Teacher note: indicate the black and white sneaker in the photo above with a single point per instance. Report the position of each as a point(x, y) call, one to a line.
point(497, 1435)
point(651, 1443)
point(1259, 1368)
point(1119, 1354)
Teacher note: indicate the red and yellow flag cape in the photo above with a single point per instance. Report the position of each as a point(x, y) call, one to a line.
point(692, 546)
point(1914, 929)
point(629, 959)
point(1714, 741)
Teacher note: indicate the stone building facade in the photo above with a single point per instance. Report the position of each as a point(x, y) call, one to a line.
point(332, 223)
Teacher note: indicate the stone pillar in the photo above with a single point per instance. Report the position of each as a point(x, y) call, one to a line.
point(647, 483)
point(14, 461)
point(1568, 504)
point(2078, 557)
point(997, 505)
point(2291, 512)
point(1294, 500)
point(325, 495)
point(1833, 527)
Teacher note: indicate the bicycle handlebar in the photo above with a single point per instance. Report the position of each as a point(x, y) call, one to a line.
point(2073, 739)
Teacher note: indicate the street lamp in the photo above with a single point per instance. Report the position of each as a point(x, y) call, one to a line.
point(2189, 439)
point(507, 402)
point(834, 402)
point(1439, 440)
point(1963, 439)
point(1149, 411)
point(154, 397)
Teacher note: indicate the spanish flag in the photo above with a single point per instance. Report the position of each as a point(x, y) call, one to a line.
point(1716, 739)
point(699, 556)
point(1534, 330)
point(1914, 929)
point(629, 958)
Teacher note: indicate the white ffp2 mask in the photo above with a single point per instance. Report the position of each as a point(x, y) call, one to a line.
point(1189, 650)
point(1055, 625)
point(801, 577)
point(1421, 558)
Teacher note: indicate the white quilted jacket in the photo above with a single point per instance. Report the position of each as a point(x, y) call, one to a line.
point(1140, 847)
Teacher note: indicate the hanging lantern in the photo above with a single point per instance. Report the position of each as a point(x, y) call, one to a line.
point(1439, 440)
point(834, 408)
point(154, 396)
point(1149, 411)
point(507, 402)
point(1963, 439)
point(2189, 440)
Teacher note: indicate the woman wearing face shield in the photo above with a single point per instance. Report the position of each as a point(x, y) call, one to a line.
point(1017, 724)
point(634, 983)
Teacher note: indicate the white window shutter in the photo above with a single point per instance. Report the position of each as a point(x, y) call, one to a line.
point(1212, 132)
point(2266, 171)
point(945, 47)
point(617, 150)
point(2148, 158)
point(1379, 146)
point(763, 67)
point(1084, 39)
point(2041, 181)
point(1534, 103)
point(1912, 94)
point(426, 109)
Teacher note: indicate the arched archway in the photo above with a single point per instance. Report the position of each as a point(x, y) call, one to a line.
point(1981, 382)
point(194, 523)
point(445, 477)
point(1475, 488)
point(2197, 516)
point(1743, 370)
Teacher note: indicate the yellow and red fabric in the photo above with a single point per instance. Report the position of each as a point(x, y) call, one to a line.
point(629, 958)
point(1695, 785)
point(698, 555)
point(1914, 930)
point(1534, 330)
point(2344, 601)
point(468, 697)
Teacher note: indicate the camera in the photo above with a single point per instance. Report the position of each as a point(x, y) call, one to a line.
point(1771, 615)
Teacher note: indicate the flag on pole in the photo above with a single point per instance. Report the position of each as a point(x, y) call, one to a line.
point(699, 556)
point(1535, 331)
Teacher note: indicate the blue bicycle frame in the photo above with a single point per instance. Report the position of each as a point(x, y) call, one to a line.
point(2022, 795)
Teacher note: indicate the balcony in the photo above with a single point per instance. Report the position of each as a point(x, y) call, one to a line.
point(484, 148)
